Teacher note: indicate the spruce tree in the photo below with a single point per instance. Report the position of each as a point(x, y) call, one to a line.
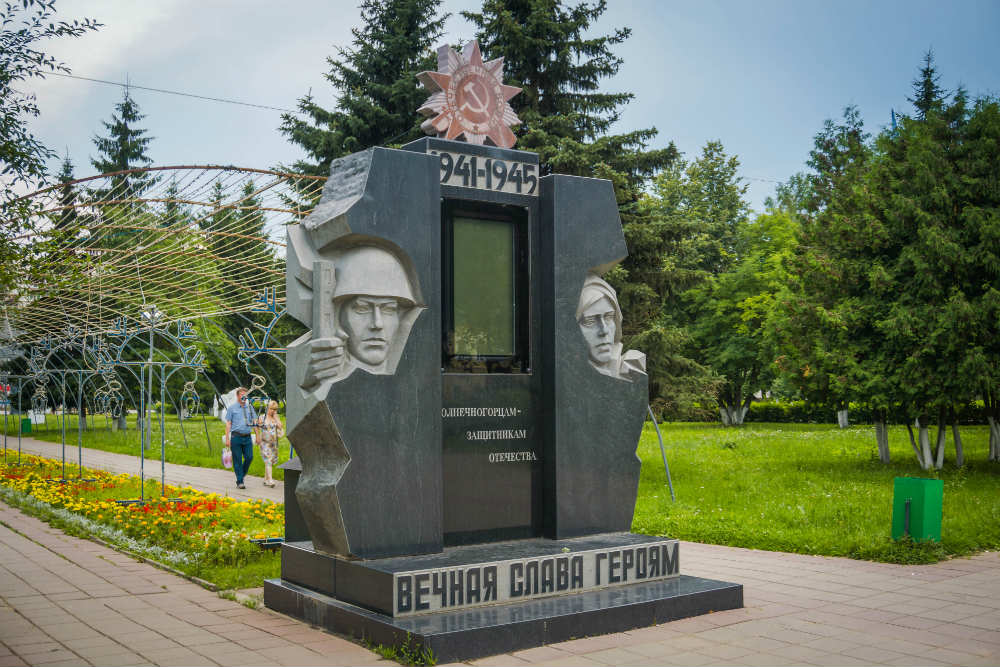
point(67, 195)
point(376, 83)
point(548, 52)
point(927, 94)
point(124, 148)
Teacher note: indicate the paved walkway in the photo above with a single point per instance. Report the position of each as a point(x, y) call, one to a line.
point(65, 600)
point(210, 480)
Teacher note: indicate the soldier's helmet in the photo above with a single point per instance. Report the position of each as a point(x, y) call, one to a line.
point(372, 271)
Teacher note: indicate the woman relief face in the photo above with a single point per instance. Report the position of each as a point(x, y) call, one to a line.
point(598, 325)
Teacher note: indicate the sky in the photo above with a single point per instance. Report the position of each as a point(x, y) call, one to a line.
point(760, 76)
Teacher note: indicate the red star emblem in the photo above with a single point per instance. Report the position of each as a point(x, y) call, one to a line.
point(469, 99)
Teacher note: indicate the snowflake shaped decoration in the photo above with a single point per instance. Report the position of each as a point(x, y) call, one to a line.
point(469, 99)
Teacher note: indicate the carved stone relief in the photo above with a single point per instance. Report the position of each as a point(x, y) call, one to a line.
point(362, 379)
point(600, 320)
point(365, 303)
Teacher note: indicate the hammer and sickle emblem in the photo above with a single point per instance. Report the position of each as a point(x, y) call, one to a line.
point(471, 88)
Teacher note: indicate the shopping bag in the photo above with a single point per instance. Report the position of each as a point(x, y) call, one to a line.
point(227, 457)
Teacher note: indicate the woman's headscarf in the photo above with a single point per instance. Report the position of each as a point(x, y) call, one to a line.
point(595, 289)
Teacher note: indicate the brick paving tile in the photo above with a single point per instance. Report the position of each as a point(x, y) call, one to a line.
point(883, 632)
point(652, 633)
point(839, 660)
point(539, 654)
point(724, 651)
point(915, 622)
point(909, 661)
point(570, 661)
point(648, 649)
point(613, 656)
point(121, 659)
point(767, 660)
point(685, 658)
point(854, 637)
point(790, 636)
point(725, 634)
point(904, 646)
point(686, 643)
point(975, 647)
point(951, 656)
point(695, 624)
point(809, 627)
point(176, 656)
point(236, 658)
point(984, 621)
point(585, 645)
point(263, 640)
point(38, 652)
point(955, 612)
point(871, 653)
point(801, 653)
point(95, 653)
point(218, 648)
point(499, 661)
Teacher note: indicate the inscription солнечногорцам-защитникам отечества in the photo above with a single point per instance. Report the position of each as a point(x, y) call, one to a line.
point(494, 434)
point(510, 581)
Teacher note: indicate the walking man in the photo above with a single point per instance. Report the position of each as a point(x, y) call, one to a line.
point(241, 421)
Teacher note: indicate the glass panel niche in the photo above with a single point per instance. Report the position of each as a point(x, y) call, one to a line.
point(483, 283)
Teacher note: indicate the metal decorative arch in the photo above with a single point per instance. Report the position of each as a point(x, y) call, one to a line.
point(199, 242)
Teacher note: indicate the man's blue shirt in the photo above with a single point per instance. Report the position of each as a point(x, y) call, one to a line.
point(242, 417)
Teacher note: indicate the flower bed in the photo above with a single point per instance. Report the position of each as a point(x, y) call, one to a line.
point(202, 534)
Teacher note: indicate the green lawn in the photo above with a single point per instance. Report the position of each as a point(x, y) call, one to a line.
point(809, 488)
point(186, 445)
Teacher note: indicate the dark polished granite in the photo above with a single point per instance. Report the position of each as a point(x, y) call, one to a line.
point(372, 583)
point(474, 633)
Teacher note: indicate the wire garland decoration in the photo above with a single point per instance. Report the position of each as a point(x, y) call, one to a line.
point(193, 240)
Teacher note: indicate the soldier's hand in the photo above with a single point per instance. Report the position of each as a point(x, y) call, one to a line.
point(326, 358)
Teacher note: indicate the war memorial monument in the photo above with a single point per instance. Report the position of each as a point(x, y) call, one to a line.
point(465, 415)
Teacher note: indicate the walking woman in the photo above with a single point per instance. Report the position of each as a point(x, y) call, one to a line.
point(271, 430)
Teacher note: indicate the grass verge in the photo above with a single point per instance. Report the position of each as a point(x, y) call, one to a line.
point(809, 488)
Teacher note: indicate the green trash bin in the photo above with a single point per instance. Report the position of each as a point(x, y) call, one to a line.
point(917, 501)
point(25, 425)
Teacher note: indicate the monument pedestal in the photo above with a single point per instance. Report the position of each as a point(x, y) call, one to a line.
point(472, 601)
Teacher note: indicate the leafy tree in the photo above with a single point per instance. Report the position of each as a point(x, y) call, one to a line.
point(732, 309)
point(894, 293)
point(692, 222)
point(819, 317)
point(375, 79)
point(25, 25)
point(124, 148)
point(933, 190)
point(22, 155)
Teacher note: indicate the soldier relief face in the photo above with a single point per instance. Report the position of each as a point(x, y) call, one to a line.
point(371, 324)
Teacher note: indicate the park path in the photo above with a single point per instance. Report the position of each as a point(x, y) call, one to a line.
point(210, 480)
point(68, 601)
